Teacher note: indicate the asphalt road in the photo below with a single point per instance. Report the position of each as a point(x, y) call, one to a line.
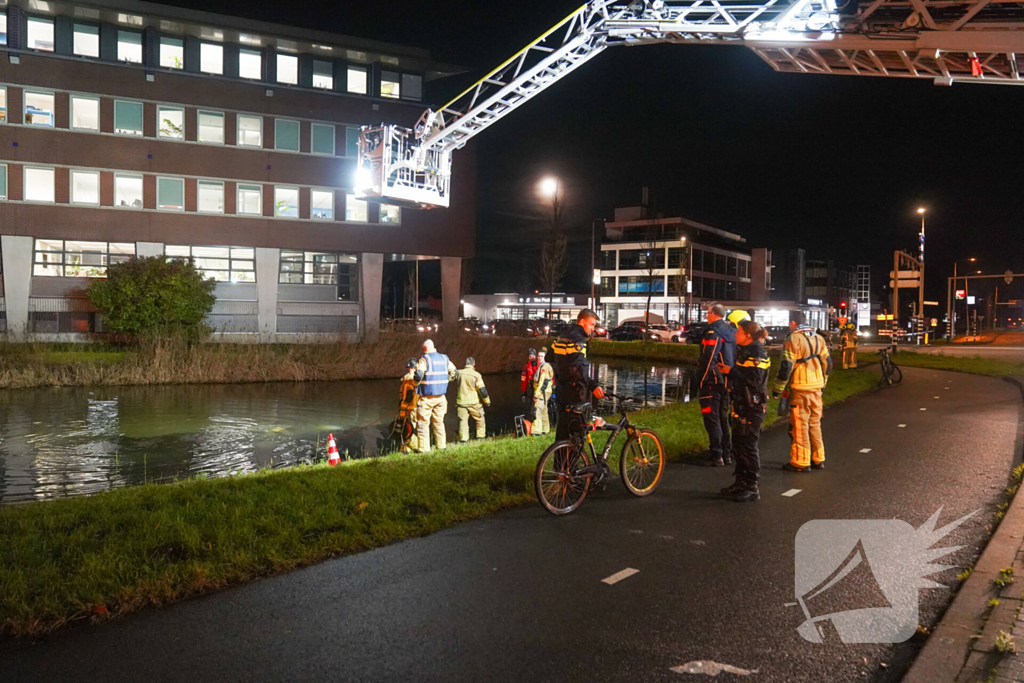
point(518, 596)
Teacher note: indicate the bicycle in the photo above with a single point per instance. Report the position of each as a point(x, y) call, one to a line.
point(891, 373)
point(566, 472)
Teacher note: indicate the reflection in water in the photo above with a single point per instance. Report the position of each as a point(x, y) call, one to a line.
point(59, 442)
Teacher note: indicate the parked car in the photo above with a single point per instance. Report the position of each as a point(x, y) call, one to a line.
point(695, 332)
point(600, 331)
point(630, 333)
point(471, 325)
point(776, 334)
point(663, 332)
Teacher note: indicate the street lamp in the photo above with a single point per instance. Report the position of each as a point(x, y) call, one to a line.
point(549, 186)
point(921, 210)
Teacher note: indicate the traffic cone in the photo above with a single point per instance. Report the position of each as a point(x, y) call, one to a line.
point(332, 451)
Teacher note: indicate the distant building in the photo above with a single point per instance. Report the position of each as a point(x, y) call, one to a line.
point(514, 306)
point(834, 285)
point(779, 275)
point(865, 309)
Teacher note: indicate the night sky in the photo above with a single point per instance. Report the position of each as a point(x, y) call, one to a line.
point(834, 164)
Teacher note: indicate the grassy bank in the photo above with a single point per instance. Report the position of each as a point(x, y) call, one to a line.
point(117, 552)
point(172, 362)
point(645, 350)
point(976, 365)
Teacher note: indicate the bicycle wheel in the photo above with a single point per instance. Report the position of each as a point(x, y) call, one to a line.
point(642, 462)
point(895, 375)
point(558, 488)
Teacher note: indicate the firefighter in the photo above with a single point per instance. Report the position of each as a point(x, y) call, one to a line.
point(718, 347)
point(543, 385)
point(471, 401)
point(433, 372)
point(526, 379)
point(748, 390)
point(849, 339)
point(805, 367)
point(574, 386)
point(407, 408)
point(736, 317)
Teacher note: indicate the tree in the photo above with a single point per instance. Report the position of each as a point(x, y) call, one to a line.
point(678, 285)
point(154, 296)
point(553, 260)
point(651, 253)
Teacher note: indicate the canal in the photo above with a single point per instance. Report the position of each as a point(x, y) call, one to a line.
point(59, 442)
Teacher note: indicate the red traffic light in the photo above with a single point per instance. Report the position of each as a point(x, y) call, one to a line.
point(842, 304)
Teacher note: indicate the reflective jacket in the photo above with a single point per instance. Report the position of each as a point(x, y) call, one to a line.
point(471, 388)
point(849, 338)
point(407, 395)
point(526, 379)
point(717, 346)
point(544, 381)
point(748, 380)
point(805, 361)
point(434, 371)
point(573, 384)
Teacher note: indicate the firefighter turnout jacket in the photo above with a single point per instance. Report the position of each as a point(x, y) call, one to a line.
point(806, 363)
point(748, 380)
point(573, 383)
point(471, 388)
point(408, 396)
point(544, 381)
point(717, 346)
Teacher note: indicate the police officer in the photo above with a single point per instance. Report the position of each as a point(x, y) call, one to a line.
point(805, 367)
point(472, 393)
point(849, 339)
point(433, 372)
point(573, 384)
point(718, 346)
point(543, 383)
point(526, 378)
point(748, 390)
point(407, 408)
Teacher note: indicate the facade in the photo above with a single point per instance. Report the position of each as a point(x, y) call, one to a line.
point(865, 316)
point(128, 128)
point(833, 284)
point(491, 307)
point(779, 275)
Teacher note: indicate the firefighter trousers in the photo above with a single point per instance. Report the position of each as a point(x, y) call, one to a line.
point(746, 436)
point(805, 428)
point(714, 408)
point(849, 357)
point(475, 411)
point(430, 412)
point(541, 417)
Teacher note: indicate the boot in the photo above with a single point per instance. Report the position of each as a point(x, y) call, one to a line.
point(713, 462)
point(748, 494)
point(790, 467)
point(733, 489)
point(727, 460)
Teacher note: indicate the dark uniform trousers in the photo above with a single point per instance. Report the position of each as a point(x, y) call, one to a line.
point(746, 432)
point(714, 408)
point(569, 424)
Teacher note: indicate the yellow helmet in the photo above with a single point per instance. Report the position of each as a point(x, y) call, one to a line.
point(738, 316)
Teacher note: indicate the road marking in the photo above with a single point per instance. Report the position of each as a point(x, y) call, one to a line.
point(901, 426)
point(946, 388)
point(924, 409)
point(619, 576)
point(865, 450)
point(936, 397)
point(792, 492)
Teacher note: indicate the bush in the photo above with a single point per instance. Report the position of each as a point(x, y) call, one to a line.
point(153, 296)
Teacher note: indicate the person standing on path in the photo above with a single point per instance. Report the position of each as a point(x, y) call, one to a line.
point(471, 401)
point(805, 367)
point(407, 408)
point(433, 372)
point(526, 379)
point(849, 339)
point(718, 347)
point(748, 389)
point(544, 381)
point(574, 386)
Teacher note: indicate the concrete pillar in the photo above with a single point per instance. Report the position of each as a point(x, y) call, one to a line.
point(371, 267)
point(268, 265)
point(451, 280)
point(17, 264)
point(149, 249)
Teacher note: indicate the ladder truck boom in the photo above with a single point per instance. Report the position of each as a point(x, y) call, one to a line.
point(946, 41)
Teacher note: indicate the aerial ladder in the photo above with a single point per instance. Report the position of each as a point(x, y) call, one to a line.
point(946, 41)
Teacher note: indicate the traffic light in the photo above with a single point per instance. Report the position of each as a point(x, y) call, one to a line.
point(842, 304)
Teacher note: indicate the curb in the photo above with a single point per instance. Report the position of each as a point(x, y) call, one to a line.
point(945, 653)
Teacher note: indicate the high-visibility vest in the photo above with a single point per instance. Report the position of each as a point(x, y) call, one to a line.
point(435, 381)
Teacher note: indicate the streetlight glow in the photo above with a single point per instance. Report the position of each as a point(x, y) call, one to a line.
point(921, 210)
point(549, 186)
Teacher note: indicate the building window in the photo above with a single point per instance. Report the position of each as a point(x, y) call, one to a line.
point(39, 109)
point(172, 53)
point(211, 127)
point(127, 117)
point(390, 214)
point(170, 122)
point(224, 264)
point(85, 113)
point(38, 184)
point(322, 139)
point(321, 268)
point(390, 84)
point(250, 64)
point(128, 191)
point(211, 197)
point(3, 181)
point(412, 87)
point(321, 205)
point(286, 135)
point(75, 258)
point(250, 131)
point(677, 257)
point(351, 141)
point(129, 47)
point(3, 28)
point(85, 187)
point(170, 194)
point(40, 34)
point(288, 69)
point(358, 79)
point(609, 260)
point(3, 105)
point(286, 202)
point(86, 40)
point(250, 200)
point(211, 58)
point(356, 210)
point(323, 75)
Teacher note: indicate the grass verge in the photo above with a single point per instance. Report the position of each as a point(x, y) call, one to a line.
point(975, 365)
point(645, 350)
point(116, 552)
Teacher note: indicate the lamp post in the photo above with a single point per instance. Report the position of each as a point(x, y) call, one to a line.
point(550, 187)
point(595, 278)
point(951, 302)
point(921, 211)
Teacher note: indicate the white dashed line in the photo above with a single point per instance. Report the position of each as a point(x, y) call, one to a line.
point(946, 388)
point(792, 492)
point(936, 397)
point(924, 409)
point(901, 426)
point(865, 450)
point(619, 576)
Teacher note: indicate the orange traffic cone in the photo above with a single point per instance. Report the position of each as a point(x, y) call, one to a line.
point(332, 451)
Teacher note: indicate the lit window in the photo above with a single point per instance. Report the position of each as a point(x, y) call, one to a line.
point(170, 122)
point(3, 181)
point(38, 184)
point(390, 214)
point(40, 34)
point(250, 131)
point(85, 113)
point(320, 268)
point(389, 84)
point(224, 264)
point(288, 69)
point(211, 127)
point(3, 105)
point(322, 139)
point(286, 135)
point(127, 117)
point(38, 109)
point(76, 258)
point(128, 191)
point(211, 58)
point(321, 205)
point(351, 141)
point(323, 75)
point(358, 78)
point(286, 202)
point(85, 187)
point(170, 194)
point(412, 87)
point(49, 258)
point(250, 200)
point(250, 64)
point(211, 197)
point(356, 210)
point(86, 40)
point(3, 28)
point(172, 53)
point(129, 47)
